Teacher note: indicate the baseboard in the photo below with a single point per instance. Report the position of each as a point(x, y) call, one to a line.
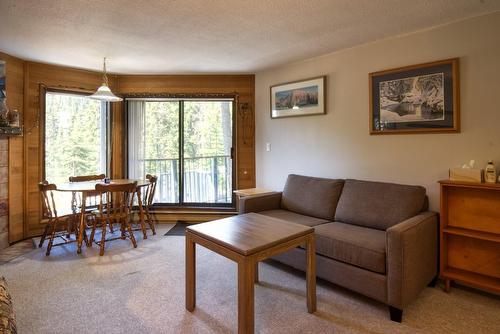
point(168, 217)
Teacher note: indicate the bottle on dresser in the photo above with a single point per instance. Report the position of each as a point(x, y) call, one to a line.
point(490, 173)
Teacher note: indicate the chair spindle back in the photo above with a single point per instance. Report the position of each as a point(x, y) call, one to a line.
point(115, 200)
point(149, 194)
point(86, 178)
point(48, 203)
point(91, 202)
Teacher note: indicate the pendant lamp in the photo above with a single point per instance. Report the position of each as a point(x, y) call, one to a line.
point(103, 93)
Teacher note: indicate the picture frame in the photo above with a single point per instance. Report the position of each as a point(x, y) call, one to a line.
point(298, 98)
point(423, 98)
point(3, 93)
point(4, 111)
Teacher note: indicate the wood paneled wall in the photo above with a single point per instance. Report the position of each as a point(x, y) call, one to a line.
point(117, 140)
point(242, 85)
point(25, 153)
point(15, 100)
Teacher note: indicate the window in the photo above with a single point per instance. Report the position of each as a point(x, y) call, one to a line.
point(187, 144)
point(75, 136)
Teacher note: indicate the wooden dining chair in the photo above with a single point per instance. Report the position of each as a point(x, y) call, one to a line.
point(91, 197)
point(115, 206)
point(87, 178)
point(53, 219)
point(148, 199)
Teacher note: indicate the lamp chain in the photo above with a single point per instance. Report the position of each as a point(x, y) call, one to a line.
point(105, 77)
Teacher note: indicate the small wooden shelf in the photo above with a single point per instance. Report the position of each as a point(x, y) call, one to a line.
point(8, 131)
point(472, 234)
point(474, 279)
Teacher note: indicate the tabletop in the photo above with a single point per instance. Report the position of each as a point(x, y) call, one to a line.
point(90, 185)
point(249, 233)
point(252, 191)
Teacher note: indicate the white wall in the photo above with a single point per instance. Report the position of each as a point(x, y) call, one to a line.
point(338, 144)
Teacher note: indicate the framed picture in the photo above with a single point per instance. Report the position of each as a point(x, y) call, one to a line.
point(299, 98)
point(2, 83)
point(421, 98)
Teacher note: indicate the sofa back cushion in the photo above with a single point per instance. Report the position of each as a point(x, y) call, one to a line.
point(311, 196)
point(378, 205)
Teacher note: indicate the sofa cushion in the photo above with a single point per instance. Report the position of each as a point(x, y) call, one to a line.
point(359, 246)
point(378, 205)
point(294, 217)
point(7, 320)
point(311, 196)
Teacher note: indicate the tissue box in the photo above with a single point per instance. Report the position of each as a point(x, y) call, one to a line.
point(467, 175)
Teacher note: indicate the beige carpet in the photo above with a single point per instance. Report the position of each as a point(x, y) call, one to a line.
point(142, 291)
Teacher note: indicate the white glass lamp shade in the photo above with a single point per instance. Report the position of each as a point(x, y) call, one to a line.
point(103, 93)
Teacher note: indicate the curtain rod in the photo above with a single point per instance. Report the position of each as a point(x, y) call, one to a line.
point(160, 99)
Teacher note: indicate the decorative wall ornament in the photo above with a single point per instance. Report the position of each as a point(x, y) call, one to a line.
point(244, 112)
point(182, 95)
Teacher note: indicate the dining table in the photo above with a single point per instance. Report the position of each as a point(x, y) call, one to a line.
point(88, 187)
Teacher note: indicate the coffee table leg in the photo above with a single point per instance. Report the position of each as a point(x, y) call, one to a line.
point(190, 273)
point(311, 274)
point(246, 277)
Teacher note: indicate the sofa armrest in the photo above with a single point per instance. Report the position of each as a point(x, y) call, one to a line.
point(256, 203)
point(412, 255)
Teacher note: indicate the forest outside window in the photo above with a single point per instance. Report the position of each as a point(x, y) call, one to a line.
point(75, 135)
point(188, 144)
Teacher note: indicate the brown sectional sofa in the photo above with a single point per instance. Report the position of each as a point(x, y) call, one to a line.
point(371, 237)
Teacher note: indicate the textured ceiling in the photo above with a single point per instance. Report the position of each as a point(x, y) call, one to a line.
point(209, 36)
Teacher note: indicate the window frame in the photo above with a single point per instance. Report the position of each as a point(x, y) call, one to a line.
point(181, 98)
point(105, 124)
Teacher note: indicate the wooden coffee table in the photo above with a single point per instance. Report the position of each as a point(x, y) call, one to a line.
point(248, 239)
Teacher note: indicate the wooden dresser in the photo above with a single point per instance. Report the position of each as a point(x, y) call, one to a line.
point(470, 234)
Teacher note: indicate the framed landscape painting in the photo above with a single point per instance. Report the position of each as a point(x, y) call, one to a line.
point(421, 98)
point(299, 98)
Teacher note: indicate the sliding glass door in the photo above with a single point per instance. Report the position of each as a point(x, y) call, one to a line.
point(208, 139)
point(188, 145)
point(153, 145)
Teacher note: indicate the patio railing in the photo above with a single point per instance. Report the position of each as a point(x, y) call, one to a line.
point(206, 179)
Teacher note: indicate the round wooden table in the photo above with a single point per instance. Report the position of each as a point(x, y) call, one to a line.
point(88, 187)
